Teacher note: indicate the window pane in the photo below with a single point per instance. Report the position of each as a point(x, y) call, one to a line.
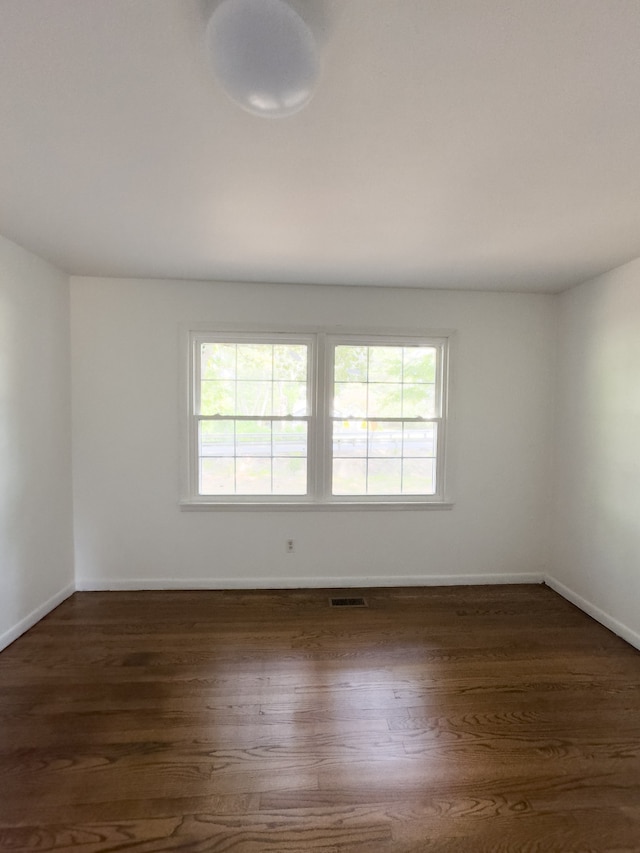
point(418, 401)
point(253, 398)
point(290, 362)
point(218, 361)
point(351, 364)
point(270, 457)
point(289, 398)
point(385, 477)
point(384, 381)
point(419, 476)
point(217, 397)
point(289, 439)
point(350, 400)
point(289, 476)
point(420, 440)
point(217, 476)
point(385, 400)
point(253, 438)
point(349, 477)
point(238, 379)
point(216, 438)
point(385, 439)
point(253, 476)
point(254, 361)
point(419, 364)
point(385, 364)
point(349, 438)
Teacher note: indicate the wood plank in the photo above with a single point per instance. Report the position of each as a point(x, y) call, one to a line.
point(462, 718)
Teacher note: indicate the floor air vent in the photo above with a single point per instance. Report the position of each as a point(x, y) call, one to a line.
point(347, 602)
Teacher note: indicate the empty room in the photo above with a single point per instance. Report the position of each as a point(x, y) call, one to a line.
point(320, 426)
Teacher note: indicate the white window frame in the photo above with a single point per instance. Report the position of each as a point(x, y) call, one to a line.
point(321, 343)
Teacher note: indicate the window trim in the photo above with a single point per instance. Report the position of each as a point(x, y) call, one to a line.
point(321, 341)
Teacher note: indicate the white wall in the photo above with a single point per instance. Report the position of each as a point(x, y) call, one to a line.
point(129, 529)
point(36, 556)
point(596, 556)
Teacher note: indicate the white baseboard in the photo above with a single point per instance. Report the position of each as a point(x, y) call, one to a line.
point(619, 628)
point(35, 616)
point(90, 584)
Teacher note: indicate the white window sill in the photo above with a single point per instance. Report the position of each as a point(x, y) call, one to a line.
point(200, 506)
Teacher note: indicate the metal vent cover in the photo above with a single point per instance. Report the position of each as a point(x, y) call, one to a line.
point(348, 602)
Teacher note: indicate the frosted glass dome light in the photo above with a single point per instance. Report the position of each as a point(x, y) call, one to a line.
point(264, 55)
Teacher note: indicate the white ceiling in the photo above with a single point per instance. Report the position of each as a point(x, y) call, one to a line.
point(487, 144)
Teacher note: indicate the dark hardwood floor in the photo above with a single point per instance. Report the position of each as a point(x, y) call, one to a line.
point(438, 719)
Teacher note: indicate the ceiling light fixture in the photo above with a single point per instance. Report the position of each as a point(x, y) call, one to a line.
point(264, 55)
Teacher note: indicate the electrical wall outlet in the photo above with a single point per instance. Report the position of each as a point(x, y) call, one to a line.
point(290, 549)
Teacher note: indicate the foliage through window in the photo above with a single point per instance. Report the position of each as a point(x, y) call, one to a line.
point(316, 418)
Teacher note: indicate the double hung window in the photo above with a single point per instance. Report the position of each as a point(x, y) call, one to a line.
point(252, 413)
point(316, 418)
